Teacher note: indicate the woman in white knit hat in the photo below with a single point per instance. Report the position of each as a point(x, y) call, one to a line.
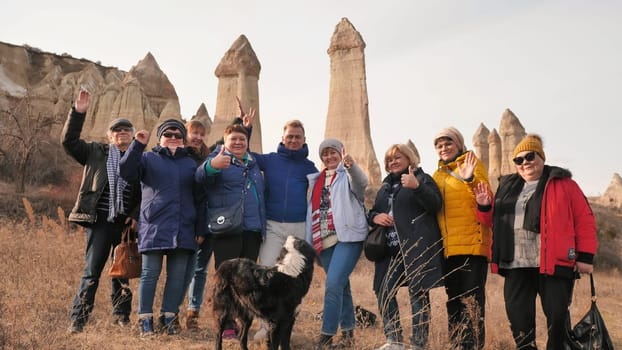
point(336, 226)
point(465, 239)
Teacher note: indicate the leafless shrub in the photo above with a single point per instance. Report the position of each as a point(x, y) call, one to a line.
point(40, 273)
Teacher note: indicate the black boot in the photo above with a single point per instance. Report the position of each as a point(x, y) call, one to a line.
point(325, 342)
point(347, 340)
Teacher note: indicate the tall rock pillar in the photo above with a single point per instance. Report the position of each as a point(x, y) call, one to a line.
point(238, 75)
point(494, 159)
point(480, 143)
point(613, 194)
point(203, 116)
point(348, 113)
point(511, 132)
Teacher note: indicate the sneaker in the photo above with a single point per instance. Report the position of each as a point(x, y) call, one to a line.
point(192, 320)
point(76, 327)
point(229, 334)
point(262, 332)
point(146, 327)
point(121, 320)
point(392, 346)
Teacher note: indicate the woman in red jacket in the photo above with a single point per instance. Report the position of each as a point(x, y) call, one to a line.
point(544, 233)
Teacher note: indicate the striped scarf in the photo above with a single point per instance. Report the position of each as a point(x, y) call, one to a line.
point(116, 184)
point(321, 210)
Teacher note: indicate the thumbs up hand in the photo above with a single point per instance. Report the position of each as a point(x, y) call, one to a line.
point(221, 161)
point(142, 136)
point(346, 158)
point(409, 180)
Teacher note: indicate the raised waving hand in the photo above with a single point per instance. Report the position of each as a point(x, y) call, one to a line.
point(466, 169)
point(482, 194)
point(84, 100)
point(247, 118)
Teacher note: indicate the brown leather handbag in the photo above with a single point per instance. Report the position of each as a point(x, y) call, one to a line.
point(127, 261)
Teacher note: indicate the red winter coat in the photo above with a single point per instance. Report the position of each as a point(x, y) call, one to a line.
point(566, 224)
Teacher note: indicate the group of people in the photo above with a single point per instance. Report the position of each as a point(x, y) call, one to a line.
point(442, 230)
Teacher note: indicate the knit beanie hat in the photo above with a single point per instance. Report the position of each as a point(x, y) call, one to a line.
point(331, 143)
point(172, 124)
point(531, 142)
point(452, 134)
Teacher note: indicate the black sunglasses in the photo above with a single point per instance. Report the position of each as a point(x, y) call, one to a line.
point(528, 157)
point(175, 135)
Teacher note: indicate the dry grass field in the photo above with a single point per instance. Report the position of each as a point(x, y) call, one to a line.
point(41, 264)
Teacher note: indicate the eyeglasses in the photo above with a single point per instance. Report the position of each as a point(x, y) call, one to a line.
point(528, 157)
point(122, 129)
point(175, 135)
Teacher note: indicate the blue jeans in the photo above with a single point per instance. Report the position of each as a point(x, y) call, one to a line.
point(197, 275)
point(389, 309)
point(101, 238)
point(338, 261)
point(177, 261)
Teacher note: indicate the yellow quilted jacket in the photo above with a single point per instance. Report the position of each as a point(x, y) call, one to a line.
point(462, 232)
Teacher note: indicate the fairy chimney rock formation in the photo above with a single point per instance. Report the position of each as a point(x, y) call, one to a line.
point(13, 72)
point(156, 86)
point(412, 146)
point(494, 159)
point(51, 82)
point(511, 132)
point(238, 76)
point(613, 195)
point(480, 143)
point(203, 116)
point(348, 114)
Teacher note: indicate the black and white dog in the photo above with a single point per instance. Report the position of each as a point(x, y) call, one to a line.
point(245, 290)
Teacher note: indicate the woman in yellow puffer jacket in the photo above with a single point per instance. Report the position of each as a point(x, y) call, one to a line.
point(466, 240)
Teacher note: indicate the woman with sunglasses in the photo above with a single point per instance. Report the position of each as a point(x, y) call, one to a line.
point(166, 225)
point(544, 233)
point(465, 240)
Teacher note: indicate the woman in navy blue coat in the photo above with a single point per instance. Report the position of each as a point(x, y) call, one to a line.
point(229, 173)
point(167, 218)
point(407, 204)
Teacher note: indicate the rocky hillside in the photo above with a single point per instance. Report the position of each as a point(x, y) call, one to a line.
point(48, 82)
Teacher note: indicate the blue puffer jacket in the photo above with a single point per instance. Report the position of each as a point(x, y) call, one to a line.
point(224, 188)
point(167, 210)
point(286, 173)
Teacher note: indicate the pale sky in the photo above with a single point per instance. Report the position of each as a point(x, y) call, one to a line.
point(430, 64)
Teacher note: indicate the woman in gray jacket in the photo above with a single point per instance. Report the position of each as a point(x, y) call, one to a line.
point(337, 226)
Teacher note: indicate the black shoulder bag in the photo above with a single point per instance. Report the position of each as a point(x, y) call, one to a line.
point(590, 332)
point(228, 220)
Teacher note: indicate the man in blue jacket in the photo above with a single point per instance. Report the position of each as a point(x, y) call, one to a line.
point(285, 175)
